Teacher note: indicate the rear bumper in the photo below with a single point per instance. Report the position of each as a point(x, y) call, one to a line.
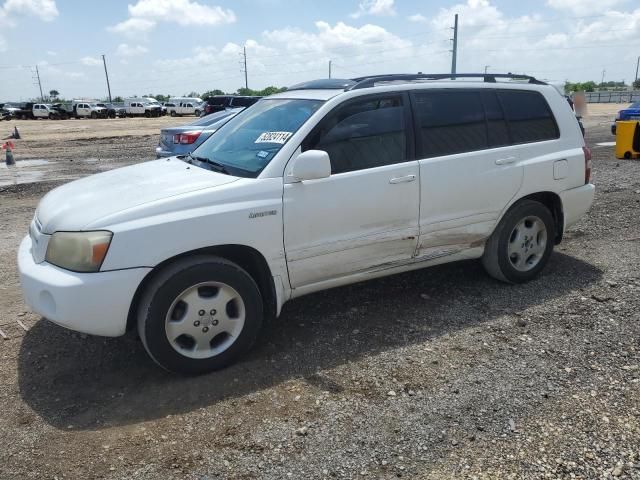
point(161, 153)
point(576, 202)
point(94, 303)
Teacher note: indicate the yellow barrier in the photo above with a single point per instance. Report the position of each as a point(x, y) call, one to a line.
point(628, 139)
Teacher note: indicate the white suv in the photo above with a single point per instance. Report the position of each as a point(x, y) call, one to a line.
point(329, 183)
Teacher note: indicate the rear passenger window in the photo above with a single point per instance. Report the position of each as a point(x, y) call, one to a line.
point(362, 134)
point(497, 131)
point(530, 118)
point(449, 122)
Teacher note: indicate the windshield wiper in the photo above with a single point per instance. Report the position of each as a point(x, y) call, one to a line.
point(218, 167)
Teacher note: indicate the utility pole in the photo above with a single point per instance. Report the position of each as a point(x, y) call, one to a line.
point(39, 84)
point(486, 67)
point(455, 46)
point(637, 65)
point(329, 68)
point(107, 75)
point(603, 74)
point(246, 75)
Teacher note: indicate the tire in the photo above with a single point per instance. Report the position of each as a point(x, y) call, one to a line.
point(52, 116)
point(147, 114)
point(521, 244)
point(189, 289)
point(197, 112)
point(173, 113)
point(94, 115)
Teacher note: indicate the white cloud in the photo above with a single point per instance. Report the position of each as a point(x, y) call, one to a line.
point(44, 9)
point(51, 53)
point(90, 61)
point(584, 7)
point(418, 18)
point(133, 26)
point(145, 15)
point(375, 7)
point(125, 50)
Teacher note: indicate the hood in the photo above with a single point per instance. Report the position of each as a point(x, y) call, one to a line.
point(77, 204)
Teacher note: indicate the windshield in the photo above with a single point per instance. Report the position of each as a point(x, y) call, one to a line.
point(634, 105)
point(251, 139)
point(214, 117)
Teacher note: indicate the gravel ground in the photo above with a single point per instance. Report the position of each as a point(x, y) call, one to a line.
point(435, 374)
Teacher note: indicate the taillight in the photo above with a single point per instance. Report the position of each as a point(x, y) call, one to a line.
point(587, 164)
point(186, 138)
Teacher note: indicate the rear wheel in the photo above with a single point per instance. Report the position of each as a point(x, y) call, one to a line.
point(173, 113)
point(200, 314)
point(94, 115)
point(521, 244)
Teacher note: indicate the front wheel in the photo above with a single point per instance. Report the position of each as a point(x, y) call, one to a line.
point(521, 244)
point(94, 115)
point(200, 314)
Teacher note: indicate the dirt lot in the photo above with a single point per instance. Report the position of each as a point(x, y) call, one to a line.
point(436, 374)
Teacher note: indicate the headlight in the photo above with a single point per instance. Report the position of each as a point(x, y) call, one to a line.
point(78, 251)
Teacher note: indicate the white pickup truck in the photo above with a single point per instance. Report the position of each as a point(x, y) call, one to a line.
point(42, 110)
point(88, 110)
point(184, 106)
point(328, 183)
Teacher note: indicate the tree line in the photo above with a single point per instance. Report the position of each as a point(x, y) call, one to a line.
point(592, 86)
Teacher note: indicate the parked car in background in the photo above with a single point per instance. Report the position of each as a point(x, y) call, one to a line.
point(43, 110)
point(13, 110)
point(632, 112)
point(186, 138)
point(329, 183)
point(86, 109)
point(112, 110)
point(185, 106)
point(24, 111)
point(138, 107)
point(217, 103)
point(64, 111)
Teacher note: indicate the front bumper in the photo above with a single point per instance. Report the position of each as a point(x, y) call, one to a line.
point(94, 303)
point(576, 202)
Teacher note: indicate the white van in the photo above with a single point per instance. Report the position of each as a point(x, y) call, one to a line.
point(328, 183)
point(184, 106)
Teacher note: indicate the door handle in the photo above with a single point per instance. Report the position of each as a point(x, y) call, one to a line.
point(506, 160)
point(405, 179)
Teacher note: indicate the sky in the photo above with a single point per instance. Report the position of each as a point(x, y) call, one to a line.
point(179, 46)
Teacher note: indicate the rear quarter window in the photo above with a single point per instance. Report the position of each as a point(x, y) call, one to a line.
point(529, 117)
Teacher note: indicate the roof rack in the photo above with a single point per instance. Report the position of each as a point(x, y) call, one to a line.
point(324, 84)
point(370, 81)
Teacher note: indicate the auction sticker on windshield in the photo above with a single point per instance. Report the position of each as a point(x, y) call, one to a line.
point(273, 137)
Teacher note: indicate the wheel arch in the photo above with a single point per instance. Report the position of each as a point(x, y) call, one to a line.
point(250, 259)
point(553, 202)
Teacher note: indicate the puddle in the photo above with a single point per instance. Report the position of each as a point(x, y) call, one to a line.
point(606, 144)
point(25, 163)
point(21, 173)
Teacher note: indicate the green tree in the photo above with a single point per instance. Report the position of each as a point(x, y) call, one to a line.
point(211, 93)
point(636, 84)
point(54, 94)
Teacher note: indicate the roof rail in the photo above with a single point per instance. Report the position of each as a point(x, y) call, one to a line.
point(324, 84)
point(370, 81)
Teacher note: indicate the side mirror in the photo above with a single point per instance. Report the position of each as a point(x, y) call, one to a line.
point(311, 165)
